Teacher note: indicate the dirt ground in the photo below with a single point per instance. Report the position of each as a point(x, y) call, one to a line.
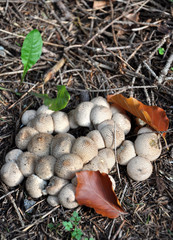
point(107, 49)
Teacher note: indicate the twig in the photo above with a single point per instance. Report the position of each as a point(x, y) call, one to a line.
point(118, 231)
point(5, 195)
point(165, 70)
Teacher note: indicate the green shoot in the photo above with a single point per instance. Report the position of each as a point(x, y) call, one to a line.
point(57, 103)
point(161, 51)
point(171, 68)
point(31, 50)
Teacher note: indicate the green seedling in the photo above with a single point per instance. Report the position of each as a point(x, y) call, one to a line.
point(161, 51)
point(171, 68)
point(57, 103)
point(31, 50)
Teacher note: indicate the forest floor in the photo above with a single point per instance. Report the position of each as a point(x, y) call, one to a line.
point(109, 48)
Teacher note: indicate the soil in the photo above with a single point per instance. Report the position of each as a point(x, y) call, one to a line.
point(108, 49)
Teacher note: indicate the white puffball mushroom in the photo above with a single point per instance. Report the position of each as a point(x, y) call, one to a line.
point(43, 109)
point(10, 174)
point(139, 168)
point(55, 185)
point(117, 109)
point(148, 145)
point(145, 130)
point(122, 121)
point(61, 122)
point(112, 181)
point(67, 165)
point(27, 116)
point(100, 114)
point(97, 138)
point(13, 155)
point(67, 196)
point(40, 144)
point(43, 123)
point(26, 163)
point(35, 186)
point(109, 122)
point(140, 122)
point(125, 152)
point(71, 118)
point(24, 136)
point(61, 144)
point(109, 156)
point(82, 114)
point(97, 164)
point(44, 167)
point(53, 201)
point(100, 101)
point(85, 148)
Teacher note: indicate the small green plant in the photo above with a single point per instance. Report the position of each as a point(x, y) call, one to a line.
point(72, 227)
point(171, 68)
point(31, 50)
point(161, 51)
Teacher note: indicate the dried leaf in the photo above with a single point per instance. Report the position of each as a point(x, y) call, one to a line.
point(152, 115)
point(94, 189)
point(100, 4)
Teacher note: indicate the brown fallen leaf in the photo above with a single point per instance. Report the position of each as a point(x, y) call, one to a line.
point(152, 115)
point(94, 189)
point(100, 4)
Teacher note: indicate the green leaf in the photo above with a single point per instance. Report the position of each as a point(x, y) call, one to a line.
point(68, 225)
point(57, 103)
point(161, 51)
point(77, 234)
point(50, 226)
point(31, 50)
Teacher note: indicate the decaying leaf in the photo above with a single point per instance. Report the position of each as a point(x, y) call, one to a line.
point(152, 115)
point(94, 189)
point(100, 4)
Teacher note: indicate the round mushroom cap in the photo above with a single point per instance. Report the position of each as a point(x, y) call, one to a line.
point(97, 164)
point(27, 116)
point(140, 122)
point(100, 101)
point(125, 152)
point(145, 130)
point(61, 144)
point(61, 122)
point(105, 123)
point(139, 168)
point(117, 109)
point(10, 174)
point(148, 145)
point(44, 167)
point(67, 196)
point(35, 186)
point(109, 156)
point(13, 155)
point(82, 114)
point(43, 109)
point(85, 148)
point(53, 201)
point(100, 114)
point(40, 144)
point(55, 185)
point(26, 163)
point(43, 123)
point(97, 138)
point(24, 136)
point(71, 118)
point(122, 121)
point(67, 165)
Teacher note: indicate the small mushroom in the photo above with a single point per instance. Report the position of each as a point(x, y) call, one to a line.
point(112, 181)
point(44, 167)
point(55, 185)
point(67, 165)
point(122, 121)
point(35, 186)
point(145, 130)
point(85, 148)
point(82, 114)
point(24, 136)
point(117, 109)
point(125, 152)
point(67, 196)
point(109, 156)
point(100, 101)
point(139, 168)
point(100, 114)
point(71, 118)
point(97, 138)
point(26, 163)
point(148, 145)
point(10, 174)
point(61, 144)
point(27, 116)
point(40, 144)
point(61, 122)
point(97, 163)
point(53, 201)
point(109, 122)
point(43, 109)
point(140, 122)
point(13, 155)
point(43, 123)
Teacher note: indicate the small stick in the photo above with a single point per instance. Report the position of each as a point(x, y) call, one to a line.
point(118, 231)
point(165, 70)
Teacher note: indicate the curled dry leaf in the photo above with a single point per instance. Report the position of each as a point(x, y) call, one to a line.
point(94, 189)
point(152, 115)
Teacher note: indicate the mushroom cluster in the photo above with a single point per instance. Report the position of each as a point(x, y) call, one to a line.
point(48, 156)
